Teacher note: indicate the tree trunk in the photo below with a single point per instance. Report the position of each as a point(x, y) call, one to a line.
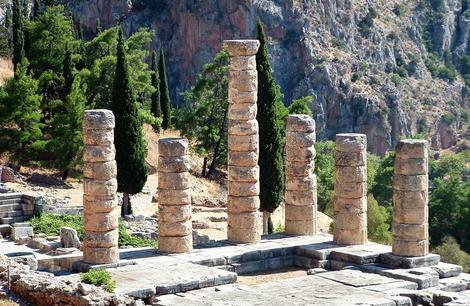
point(266, 215)
point(204, 167)
point(217, 147)
point(65, 174)
point(125, 204)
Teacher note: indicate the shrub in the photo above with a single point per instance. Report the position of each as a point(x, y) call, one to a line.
point(367, 23)
point(396, 79)
point(51, 224)
point(399, 9)
point(99, 277)
point(451, 252)
point(339, 43)
point(128, 240)
point(301, 106)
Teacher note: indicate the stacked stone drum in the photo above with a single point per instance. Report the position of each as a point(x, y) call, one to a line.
point(244, 219)
point(410, 199)
point(301, 182)
point(350, 224)
point(174, 197)
point(100, 209)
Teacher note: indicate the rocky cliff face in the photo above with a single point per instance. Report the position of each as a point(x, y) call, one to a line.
point(324, 48)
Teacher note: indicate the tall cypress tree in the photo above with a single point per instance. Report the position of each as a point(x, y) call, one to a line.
point(271, 161)
point(129, 142)
point(18, 35)
point(98, 26)
point(36, 9)
point(156, 108)
point(165, 102)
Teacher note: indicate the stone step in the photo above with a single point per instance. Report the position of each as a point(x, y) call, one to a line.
point(10, 201)
point(10, 207)
point(456, 283)
point(12, 213)
point(446, 270)
point(11, 220)
point(11, 195)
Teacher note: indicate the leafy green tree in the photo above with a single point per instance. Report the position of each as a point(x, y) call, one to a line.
point(20, 124)
point(36, 9)
point(18, 34)
point(67, 73)
point(451, 252)
point(301, 106)
point(271, 161)
point(204, 118)
point(325, 170)
point(377, 226)
point(129, 142)
point(165, 101)
point(382, 186)
point(156, 108)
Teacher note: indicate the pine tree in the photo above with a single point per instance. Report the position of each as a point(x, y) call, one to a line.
point(129, 142)
point(67, 72)
point(18, 35)
point(98, 26)
point(165, 102)
point(36, 9)
point(156, 108)
point(271, 161)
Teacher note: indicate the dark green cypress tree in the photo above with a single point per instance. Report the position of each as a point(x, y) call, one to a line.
point(129, 140)
point(18, 34)
point(155, 106)
point(165, 102)
point(98, 26)
point(36, 9)
point(67, 73)
point(271, 161)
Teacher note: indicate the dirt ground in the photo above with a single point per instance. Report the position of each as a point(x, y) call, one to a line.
point(6, 70)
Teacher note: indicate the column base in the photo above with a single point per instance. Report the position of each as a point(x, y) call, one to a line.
point(404, 262)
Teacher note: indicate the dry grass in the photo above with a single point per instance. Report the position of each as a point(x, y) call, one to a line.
point(6, 70)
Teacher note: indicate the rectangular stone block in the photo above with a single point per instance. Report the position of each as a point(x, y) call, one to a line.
point(351, 174)
point(300, 213)
point(175, 244)
point(176, 164)
point(242, 204)
point(301, 198)
point(350, 221)
point(294, 153)
point(98, 137)
point(243, 63)
point(174, 181)
point(101, 255)
point(343, 205)
point(300, 123)
point(98, 153)
point(300, 139)
point(245, 220)
point(350, 190)
point(106, 239)
point(243, 235)
point(301, 183)
point(350, 237)
point(100, 188)
point(243, 159)
point(101, 222)
point(411, 166)
point(411, 216)
point(243, 80)
point(407, 248)
point(174, 228)
point(243, 174)
point(412, 148)
point(174, 213)
point(404, 262)
point(411, 232)
point(238, 97)
point(93, 204)
point(299, 168)
point(242, 112)
point(353, 159)
point(172, 147)
point(305, 227)
point(174, 197)
point(410, 199)
point(351, 142)
point(243, 189)
point(410, 183)
point(243, 143)
point(242, 127)
point(100, 170)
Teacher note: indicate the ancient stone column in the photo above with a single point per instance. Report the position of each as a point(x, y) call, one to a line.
point(244, 219)
point(301, 182)
point(174, 197)
point(410, 199)
point(100, 209)
point(350, 222)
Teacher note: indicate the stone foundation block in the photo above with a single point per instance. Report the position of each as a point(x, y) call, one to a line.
point(100, 170)
point(243, 174)
point(172, 147)
point(174, 197)
point(97, 205)
point(350, 237)
point(100, 188)
point(175, 244)
point(243, 159)
point(301, 198)
point(294, 154)
point(98, 137)
point(242, 127)
point(238, 205)
point(101, 239)
point(101, 255)
point(300, 213)
point(351, 142)
point(351, 190)
point(174, 213)
point(350, 158)
point(410, 183)
point(351, 174)
point(410, 248)
point(177, 164)
point(301, 183)
point(305, 227)
point(100, 222)
point(243, 189)
point(301, 168)
point(174, 181)
point(245, 220)
point(300, 139)
point(175, 229)
point(98, 153)
point(300, 123)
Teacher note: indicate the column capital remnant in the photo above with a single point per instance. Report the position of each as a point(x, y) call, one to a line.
point(246, 47)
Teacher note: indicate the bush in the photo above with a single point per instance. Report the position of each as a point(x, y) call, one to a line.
point(339, 43)
point(301, 106)
point(128, 240)
point(367, 23)
point(396, 79)
point(99, 277)
point(451, 252)
point(377, 217)
point(399, 9)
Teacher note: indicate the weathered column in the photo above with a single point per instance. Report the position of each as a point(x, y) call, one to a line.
point(301, 182)
point(244, 219)
point(174, 197)
point(410, 199)
point(100, 209)
point(350, 222)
